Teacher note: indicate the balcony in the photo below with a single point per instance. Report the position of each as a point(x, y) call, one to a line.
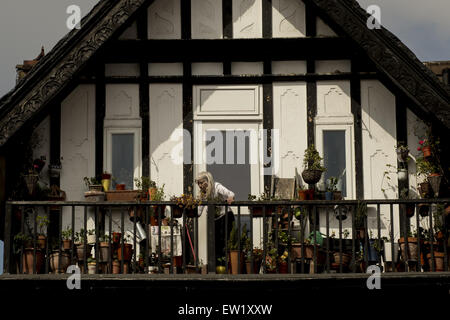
point(295, 237)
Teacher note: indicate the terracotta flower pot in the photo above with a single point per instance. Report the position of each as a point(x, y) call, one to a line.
point(116, 237)
point(438, 261)
point(80, 251)
point(120, 186)
point(235, 268)
point(302, 195)
point(92, 268)
point(412, 248)
point(258, 211)
point(55, 258)
point(426, 151)
point(116, 267)
point(297, 251)
point(128, 251)
point(67, 244)
point(345, 258)
point(283, 267)
point(27, 260)
point(104, 252)
point(41, 239)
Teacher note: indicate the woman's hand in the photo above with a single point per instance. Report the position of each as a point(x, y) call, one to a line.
point(230, 200)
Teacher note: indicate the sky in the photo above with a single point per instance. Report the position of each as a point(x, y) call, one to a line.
point(26, 25)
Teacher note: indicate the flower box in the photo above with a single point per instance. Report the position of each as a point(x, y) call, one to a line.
point(122, 195)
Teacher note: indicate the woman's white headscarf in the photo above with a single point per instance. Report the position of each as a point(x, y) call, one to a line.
point(209, 193)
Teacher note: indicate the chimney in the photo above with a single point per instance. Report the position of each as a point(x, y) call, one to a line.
point(25, 68)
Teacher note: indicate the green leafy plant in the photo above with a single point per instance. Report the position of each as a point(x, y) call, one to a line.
point(425, 167)
point(360, 216)
point(233, 241)
point(332, 184)
point(67, 233)
point(312, 160)
point(91, 181)
point(42, 222)
point(144, 183)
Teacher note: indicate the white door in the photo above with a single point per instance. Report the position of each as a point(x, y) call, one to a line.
point(231, 152)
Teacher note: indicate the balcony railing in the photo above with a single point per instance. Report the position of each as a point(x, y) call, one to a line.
point(313, 236)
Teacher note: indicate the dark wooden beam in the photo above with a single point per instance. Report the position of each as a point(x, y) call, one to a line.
point(310, 20)
point(213, 50)
point(55, 140)
point(100, 107)
point(237, 79)
point(402, 138)
point(355, 93)
point(311, 103)
point(186, 19)
point(268, 126)
point(144, 98)
point(227, 18)
point(267, 18)
point(188, 124)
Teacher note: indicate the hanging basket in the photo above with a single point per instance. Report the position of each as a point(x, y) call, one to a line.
point(311, 176)
point(31, 181)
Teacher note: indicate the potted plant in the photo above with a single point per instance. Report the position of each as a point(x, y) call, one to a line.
point(185, 203)
point(146, 186)
point(95, 193)
point(390, 253)
point(402, 152)
point(93, 184)
point(59, 261)
point(157, 194)
point(106, 181)
point(312, 165)
point(127, 250)
point(42, 223)
point(22, 240)
point(233, 250)
point(92, 265)
point(360, 218)
point(331, 188)
point(425, 147)
point(67, 238)
point(104, 248)
point(258, 211)
point(412, 253)
point(116, 266)
point(220, 268)
point(81, 246)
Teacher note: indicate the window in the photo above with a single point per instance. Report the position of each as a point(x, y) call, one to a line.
point(334, 143)
point(122, 156)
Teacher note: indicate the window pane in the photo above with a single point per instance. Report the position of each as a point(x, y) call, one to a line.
point(228, 160)
point(123, 159)
point(334, 157)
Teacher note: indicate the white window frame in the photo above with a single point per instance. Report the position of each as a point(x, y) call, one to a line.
point(349, 156)
point(107, 154)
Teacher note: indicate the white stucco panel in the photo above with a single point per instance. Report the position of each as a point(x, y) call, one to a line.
point(247, 18)
point(290, 118)
point(166, 124)
point(288, 19)
point(333, 98)
point(122, 101)
point(164, 19)
point(206, 19)
point(323, 29)
point(77, 147)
